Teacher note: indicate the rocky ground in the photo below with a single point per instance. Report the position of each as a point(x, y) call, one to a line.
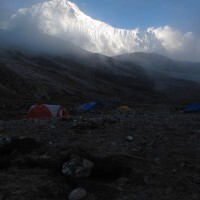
point(149, 153)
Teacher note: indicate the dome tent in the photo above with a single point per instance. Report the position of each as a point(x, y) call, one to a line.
point(87, 106)
point(44, 111)
point(124, 108)
point(191, 108)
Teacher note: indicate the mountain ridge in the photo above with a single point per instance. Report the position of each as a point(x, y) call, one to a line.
point(57, 73)
point(63, 19)
point(66, 79)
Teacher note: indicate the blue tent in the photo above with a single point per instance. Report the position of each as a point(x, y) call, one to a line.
point(88, 106)
point(195, 107)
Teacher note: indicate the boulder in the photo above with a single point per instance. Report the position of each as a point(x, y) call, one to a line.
point(78, 168)
point(77, 194)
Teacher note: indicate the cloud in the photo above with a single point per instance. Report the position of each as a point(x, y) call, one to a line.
point(184, 46)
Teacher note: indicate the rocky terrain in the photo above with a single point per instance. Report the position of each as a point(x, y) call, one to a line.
point(148, 152)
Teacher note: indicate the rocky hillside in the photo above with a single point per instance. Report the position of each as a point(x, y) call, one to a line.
point(57, 78)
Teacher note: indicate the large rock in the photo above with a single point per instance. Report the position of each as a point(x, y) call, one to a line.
point(78, 167)
point(77, 194)
point(85, 170)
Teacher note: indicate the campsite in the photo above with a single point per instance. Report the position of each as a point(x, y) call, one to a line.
point(111, 137)
point(74, 127)
point(91, 110)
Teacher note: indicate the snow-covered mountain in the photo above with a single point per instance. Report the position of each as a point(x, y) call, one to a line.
point(63, 19)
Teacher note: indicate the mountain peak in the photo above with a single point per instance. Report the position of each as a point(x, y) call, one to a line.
point(65, 20)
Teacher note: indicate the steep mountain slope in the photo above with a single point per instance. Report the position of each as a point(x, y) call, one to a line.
point(69, 80)
point(46, 77)
point(166, 66)
point(63, 19)
point(48, 69)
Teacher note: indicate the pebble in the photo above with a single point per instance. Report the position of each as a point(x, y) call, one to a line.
point(129, 138)
point(174, 170)
point(52, 126)
point(77, 194)
point(6, 140)
point(183, 165)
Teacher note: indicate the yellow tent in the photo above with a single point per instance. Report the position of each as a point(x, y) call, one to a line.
point(124, 108)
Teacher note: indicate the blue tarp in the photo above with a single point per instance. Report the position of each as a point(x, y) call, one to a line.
point(195, 107)
point(87, 106)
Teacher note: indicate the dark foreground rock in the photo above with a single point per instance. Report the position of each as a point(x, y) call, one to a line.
point(161, 161)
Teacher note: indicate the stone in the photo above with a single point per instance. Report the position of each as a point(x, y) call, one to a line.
point(77, 194)
point(70, 167)
point(182, 165)
point(129, 138)
point(85, 170)
point(52, 126)
point(5, 140)
point(174, 170)
point(78, 168)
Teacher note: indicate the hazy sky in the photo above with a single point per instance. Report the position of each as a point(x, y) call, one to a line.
point(183, 15)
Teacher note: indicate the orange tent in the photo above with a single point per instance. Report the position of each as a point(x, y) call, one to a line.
point(44, 111)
